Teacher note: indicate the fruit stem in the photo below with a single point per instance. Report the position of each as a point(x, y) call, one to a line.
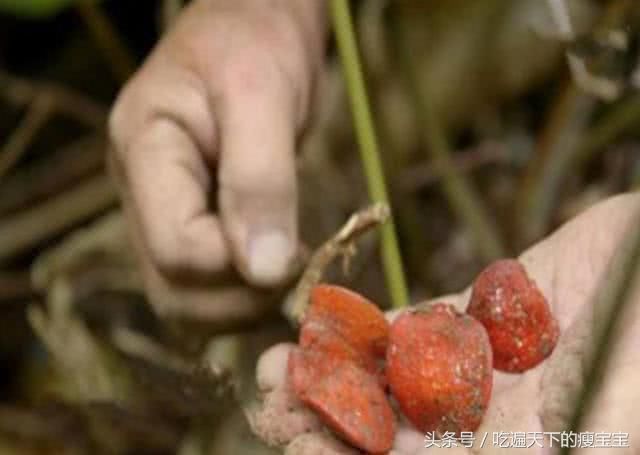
point(340, 244)
point(369, 152)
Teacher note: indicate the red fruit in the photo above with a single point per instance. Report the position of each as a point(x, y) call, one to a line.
point(439, 368)
point(358, 321)
point(348, 326)
point(338, 368)
point(522, 329)
point(308, 367)
point(318, 338)
point(351, 402)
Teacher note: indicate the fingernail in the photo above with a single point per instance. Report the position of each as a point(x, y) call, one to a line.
point(270, 253)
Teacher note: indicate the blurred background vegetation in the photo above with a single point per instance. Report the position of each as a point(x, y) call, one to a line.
point(34, 8)
point(498, 120)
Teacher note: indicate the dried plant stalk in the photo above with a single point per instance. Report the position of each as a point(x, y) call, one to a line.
point(341, 244)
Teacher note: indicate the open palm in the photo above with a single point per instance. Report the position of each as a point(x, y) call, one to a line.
point(568, 267)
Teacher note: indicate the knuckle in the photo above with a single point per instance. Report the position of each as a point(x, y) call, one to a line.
point(264, 53)
point(267, 69)
point(122, 121)
point(252, 71)
point(116, 121)
point(118, 117)
point(155, 98)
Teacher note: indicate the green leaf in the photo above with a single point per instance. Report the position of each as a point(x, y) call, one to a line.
point(34, 8)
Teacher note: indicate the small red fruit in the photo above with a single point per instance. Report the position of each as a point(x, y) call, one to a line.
point(518, 319)
point(306, 367)
point(337, 370)
point(358, 321)
point(439, 368)
point(318, 338)
point(352, 403)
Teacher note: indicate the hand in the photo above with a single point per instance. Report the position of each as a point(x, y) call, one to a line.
point(568, 267)
point(214, 114)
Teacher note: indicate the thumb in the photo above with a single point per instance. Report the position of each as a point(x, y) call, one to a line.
point(257, 178)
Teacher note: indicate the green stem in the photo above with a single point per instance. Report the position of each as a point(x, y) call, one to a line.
point(365, 132)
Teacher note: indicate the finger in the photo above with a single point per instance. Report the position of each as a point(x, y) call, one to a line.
point(408, 440)
point(281, 417)
point(271, 371)
point(168, 186)
point(225, 306)
point(318, 443)
point(257, 182)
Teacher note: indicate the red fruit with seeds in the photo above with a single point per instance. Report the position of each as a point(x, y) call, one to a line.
point(439, 368)
point(518, 319)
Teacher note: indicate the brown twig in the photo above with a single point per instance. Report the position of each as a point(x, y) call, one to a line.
point(15, 285)
point(37, 115)
point(27, 228)
point(341, 244)
point(619, 118)
point(422, 175)
point(463, 198)
point(80, 428)
point(61, 169)
point(560, 14)
point(137, 345)
point(96, 258)
point(171, 383)
point(560, 140)
point(635, 75)
point(50, 425)
point(21, 92)
point(555, 148)
point(597, 86)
